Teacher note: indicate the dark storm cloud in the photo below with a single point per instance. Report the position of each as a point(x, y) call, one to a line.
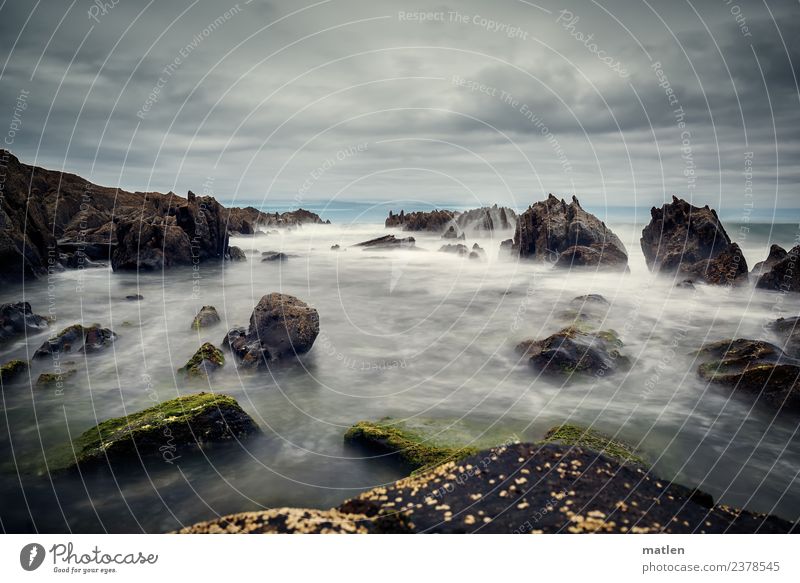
point(504, 99)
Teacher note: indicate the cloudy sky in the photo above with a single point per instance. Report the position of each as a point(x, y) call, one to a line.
point(462, 103)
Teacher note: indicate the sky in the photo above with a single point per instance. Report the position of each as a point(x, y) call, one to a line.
point(419, 103)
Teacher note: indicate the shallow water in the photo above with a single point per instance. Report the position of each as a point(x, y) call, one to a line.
point(417, 335)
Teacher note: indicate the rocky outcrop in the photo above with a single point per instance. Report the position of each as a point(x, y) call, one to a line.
point(249, 220)
point(457, 249)
point(788, 332)
point(689, 241)
point(281, 327)
point(17, 319)
point(388, 242)
point(205, 318)
point(168, 430)
point(575, 351)
point(236, 254)
point(755, 368)
point(781, 271)
point(775, 256)
point(520, 488)
point(478, 253)
point(205, 361)
point(486, 221)
point(568, 236)
point(435, 221)
point(12, 371)
point(77, 338)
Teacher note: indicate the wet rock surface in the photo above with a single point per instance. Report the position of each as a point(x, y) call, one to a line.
point(568, 236)
point(281, 327)
point(787, 330)
point(205, 361)
point(17, 319)
point(754, 368)
point(388, 242)
point(205, 318)
point(13, 371)
point(691, 242)
point(77, 338)
point(521, 488)
point(781, 274)
point(575, 350)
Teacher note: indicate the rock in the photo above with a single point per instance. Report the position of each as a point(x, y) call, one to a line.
point(434, 221)
point(18, 318)
point(388, 242)
point(273, 256)
point(568, 236)
point(477, 253)
point(515, 489)
point(394, 440)
point(205, 361)
point(452, 233)
point(135, 298)
point(788, 331)
point(507, 246)
point(753, 367)
point(335, 247)
point(251, 221)
point(77, 338)
point(776, 255)
point(205, 318)
point(79, 260)
point(485, 221)
point(583, 437)
point(590, 299)
point(458, 249)
point(783, 274)
point(685, 284)
point(55, 379)
point(168, 430)
point(12, 371)
point(281, 327)
point(690, 241)
point(574, 351)
point(236, 254)
point(150, 246)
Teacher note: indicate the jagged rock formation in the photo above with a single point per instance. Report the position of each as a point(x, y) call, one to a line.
point(456, 225)
point(691, 242)
point(388, 242)
point(486, 220)
point(249, 220)
point(568, 236)
point(434, 221)
point(781, 270)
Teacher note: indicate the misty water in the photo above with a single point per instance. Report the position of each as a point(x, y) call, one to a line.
point(422, 336)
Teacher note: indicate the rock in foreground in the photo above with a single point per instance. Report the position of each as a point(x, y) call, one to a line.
point(281, 326)
point(180, 425)
point(15, 319)
point(522, 488)
point(568, 236)
point(691, 242)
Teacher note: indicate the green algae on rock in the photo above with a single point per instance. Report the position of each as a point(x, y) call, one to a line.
point(77, 338)
point(575, 349)
point(168, 429)
point(415, 450)
point(577, 436)
point(12, 370)
point(205, 318)
point(206, 360)
point(55, 379)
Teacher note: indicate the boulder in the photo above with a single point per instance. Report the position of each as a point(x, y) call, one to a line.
point(236, 254)
point(755, 368)
point(781, 274)
point(458, 249)
point(55, 380)
point(477, 253)
point(452, 233)
point(388, 242)
point(524, 488)
point(168, 430)
point(205, 361)
point(434, 221)
point(281, 327)
point(573, 351)
point(77, 338)
point(205, 318)
point(335, 247)
point(18, 318)
point(12, 371)
point(689, 241)
point(552, 228)
point(788, 331)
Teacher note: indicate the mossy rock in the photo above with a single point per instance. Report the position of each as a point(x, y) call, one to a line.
point(205, 318)
point(55, 379)
point(577, 436)
point(168, 429)
point(206, 360)
point(12, 371)
point(77, 338)
point(412, 448)
point(576, 350)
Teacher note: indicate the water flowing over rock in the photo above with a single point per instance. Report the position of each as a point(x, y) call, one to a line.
point(281, 327)
point(781, 271)
point(568, 236)
point(691, 242)
point(16, 319)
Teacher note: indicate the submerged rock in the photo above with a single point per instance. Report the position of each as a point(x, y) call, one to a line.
point(281, 326)
point(15, 319)
point(206, 360)
point(575, 351)
point(690, 241)
point(393, 439)
point(754, 367)
point(169, 429)
point(55, 379)
point(388, 242)
point(268, 256)
point(205, 318)
point(77, 338)
point(781, 274)
point(458, 249)
point(521, 488)
point(335, 247)
point(568, 236)
point(12, 371)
